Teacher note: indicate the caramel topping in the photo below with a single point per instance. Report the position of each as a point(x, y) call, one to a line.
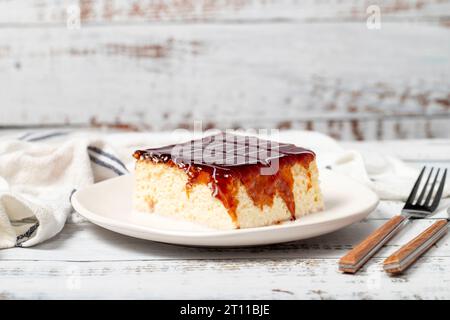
point(222, 161)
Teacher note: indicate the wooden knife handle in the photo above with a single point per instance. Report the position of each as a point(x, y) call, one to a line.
point(358, 256)
point(410, 252)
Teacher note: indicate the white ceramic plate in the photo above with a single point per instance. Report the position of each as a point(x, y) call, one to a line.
point(109, 204)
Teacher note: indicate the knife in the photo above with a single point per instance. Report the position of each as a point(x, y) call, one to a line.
point(403, 258)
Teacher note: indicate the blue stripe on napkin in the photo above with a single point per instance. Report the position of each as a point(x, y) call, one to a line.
point(39, 136)
point(109, 156)
point(106, 165)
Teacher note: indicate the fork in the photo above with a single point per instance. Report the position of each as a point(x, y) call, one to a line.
point(403, 258)
point(413, 209)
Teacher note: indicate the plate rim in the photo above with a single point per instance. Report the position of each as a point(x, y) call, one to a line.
point(106, 222)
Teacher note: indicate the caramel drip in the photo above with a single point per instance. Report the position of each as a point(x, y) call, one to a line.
point(261, 189)
point(223, 185)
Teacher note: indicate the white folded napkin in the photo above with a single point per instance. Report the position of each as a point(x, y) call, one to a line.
point(39, 171)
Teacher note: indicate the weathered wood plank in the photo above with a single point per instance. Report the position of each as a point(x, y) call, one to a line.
point(342, 79)
point(429, 278)
point(122, 11)
point(86, 242)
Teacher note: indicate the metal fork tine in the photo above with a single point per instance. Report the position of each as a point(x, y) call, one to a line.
point(430, 193)
point(424, 189)
point(412, 195)
point(439, 192)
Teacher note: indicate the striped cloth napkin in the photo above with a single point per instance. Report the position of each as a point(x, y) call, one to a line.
point(38, 174)
point(39, 171)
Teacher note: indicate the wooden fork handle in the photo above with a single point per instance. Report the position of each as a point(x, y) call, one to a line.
point(358, 256)
point(410, 252)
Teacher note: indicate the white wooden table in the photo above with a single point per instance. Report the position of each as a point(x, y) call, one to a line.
point(86, 261)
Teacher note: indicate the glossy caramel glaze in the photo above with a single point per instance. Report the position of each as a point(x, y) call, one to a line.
point(225, 161)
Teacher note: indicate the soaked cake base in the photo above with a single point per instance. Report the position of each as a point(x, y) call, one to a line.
point(228, 195)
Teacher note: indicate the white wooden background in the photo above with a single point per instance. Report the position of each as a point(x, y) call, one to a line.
point(160, 64)
point(86, 261)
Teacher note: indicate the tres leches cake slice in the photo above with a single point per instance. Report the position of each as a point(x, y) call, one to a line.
point(228, 181)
